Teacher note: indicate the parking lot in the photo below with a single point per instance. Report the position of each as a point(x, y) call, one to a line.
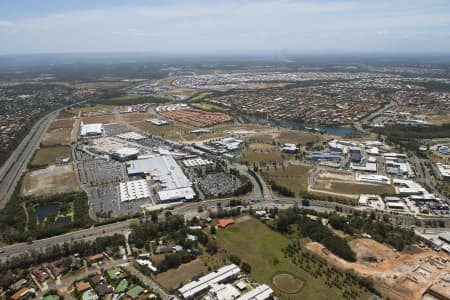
point(101, 171)
point(218, 184)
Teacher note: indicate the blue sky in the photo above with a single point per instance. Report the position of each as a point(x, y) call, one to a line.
point(232, 26)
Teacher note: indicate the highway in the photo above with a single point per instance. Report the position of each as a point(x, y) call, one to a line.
point(16, 164)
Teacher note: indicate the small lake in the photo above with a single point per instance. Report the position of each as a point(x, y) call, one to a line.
point(337, 131)
point(42, 211)
point(64, 220)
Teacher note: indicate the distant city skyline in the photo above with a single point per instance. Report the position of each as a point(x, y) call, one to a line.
point(178, 27)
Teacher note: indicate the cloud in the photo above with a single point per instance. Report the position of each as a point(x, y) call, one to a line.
point(211, 26)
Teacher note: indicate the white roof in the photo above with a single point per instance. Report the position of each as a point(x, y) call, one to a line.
point(194, 162)
point(126, 151)
point(194, 287)
point(91, 129)
point(261, 292)
point(406, 186)
point(368, 167)
point(131, 136)
point(374, 178)
point(443, 169)
point(134, 190)
point(223, 291)
point(180, 193)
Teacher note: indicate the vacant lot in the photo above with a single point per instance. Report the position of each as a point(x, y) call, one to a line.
point(261, 247)
point(48, 155)
point(173, 278)
point(251, 158)
point(59, 133)
point(107, 119)
point(368, 250)
point(59, 136)
point(357, 188)
point(287, 136)
point(49, 181)
point(261, 147)
point(294, 178)
point(171, 131)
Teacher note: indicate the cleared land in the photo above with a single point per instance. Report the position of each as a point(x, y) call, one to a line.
point(107, 119)
point(196, 117)
point(261, 147)
point(49, 181)
point(357, 188)
point(261, 247)
point(48, 155)
point(294, 178)
point(288, 136)
point(59, 133)
point(251, 157)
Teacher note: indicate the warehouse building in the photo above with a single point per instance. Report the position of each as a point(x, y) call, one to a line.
point(444, 171)
point(91, 130)
point(324, 156)
point(289, 148)
point(158, 122)
point(194, 288)
point(174, 185)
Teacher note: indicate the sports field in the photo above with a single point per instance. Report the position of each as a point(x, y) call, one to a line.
point(261, 247)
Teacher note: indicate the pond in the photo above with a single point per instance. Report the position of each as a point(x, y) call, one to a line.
point(337, 131)
point(64, 220)
point(42, 211)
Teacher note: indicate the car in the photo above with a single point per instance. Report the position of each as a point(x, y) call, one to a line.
point(2, 251)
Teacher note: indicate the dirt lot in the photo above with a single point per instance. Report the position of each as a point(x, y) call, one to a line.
point(261, 147)
point(399, 276)
point(59, 133)
point(49, 181)
point(107, 119)
point(59, 136)
point(294, 178)
point(368, 250)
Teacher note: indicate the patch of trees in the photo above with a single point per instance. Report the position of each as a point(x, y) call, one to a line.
point(281, 189)
point(253, 174)
point(315, 230)
point(54, 252)
point(246, 186)
point(147, 230)
point(409, 136)
point(174, 260)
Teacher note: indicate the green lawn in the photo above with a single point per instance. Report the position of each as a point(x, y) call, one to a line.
point(135, 292)
point(200, 96)
point(122, 286)
point(48, 155)
point(209, 106)
point(259, 246)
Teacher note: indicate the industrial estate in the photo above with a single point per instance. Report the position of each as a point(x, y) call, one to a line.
point(270, 181)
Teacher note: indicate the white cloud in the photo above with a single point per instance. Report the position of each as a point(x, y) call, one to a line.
point(230, 25)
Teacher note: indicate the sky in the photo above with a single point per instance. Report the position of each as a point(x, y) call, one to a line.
point(229, 26)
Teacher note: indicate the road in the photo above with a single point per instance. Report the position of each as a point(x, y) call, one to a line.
point(16, 164)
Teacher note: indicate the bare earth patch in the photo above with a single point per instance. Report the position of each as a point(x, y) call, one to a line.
point(49, 181)
point(108, 119)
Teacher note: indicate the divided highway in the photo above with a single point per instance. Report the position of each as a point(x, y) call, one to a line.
point(16, 164)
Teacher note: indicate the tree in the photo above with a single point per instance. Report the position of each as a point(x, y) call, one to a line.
point(246, 267)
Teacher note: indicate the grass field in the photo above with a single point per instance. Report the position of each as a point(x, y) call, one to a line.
point(172, 279)
point(125, 98)
point(294, 178)
point(261, 147)
point(209, 106)
point(439, 120)
point(48, 155)
point(200, 96)
point(268, 158)
point(288, 136)
point(261, 247)
point(106, 119)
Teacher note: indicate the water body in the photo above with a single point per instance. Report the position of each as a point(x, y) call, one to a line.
point(64, 220)
point(43, 211)
point(337, 131)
